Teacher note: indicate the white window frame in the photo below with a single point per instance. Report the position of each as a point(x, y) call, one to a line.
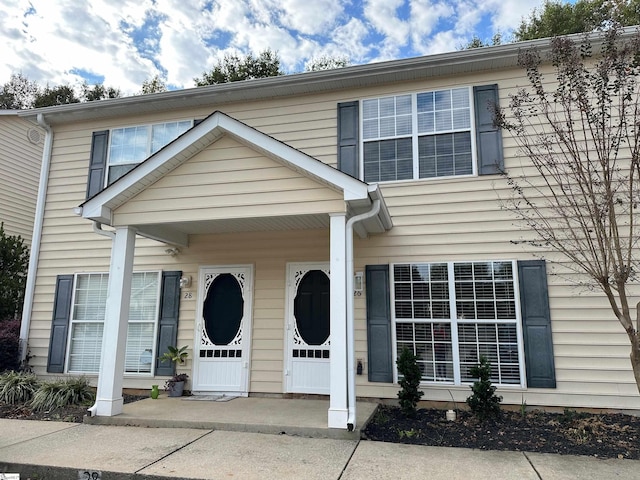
point(453, 321)
point(415, 135)
point(149, 127)
point(73, 322)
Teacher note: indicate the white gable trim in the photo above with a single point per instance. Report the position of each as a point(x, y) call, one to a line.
point(100, 207)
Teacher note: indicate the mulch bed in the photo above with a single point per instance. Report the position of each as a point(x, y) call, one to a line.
point(571, 433)
point(70, 413)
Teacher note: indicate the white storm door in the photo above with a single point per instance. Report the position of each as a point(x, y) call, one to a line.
point(223, 330)
point(308, 333)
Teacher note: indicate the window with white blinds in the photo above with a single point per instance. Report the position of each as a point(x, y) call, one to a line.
point(420, 135)
point(131, 145)
point(87, 321)
point(451, 314)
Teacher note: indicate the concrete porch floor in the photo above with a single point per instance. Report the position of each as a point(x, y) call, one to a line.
point(302, 417)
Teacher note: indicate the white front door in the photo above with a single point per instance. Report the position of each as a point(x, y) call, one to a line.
point(308, 334)
point(223, 330)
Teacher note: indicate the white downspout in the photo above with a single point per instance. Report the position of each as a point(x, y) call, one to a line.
point(36, 238)
point(97, 228)
point(351, 378)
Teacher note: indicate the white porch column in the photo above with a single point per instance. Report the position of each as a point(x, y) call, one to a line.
point(114, 337)
point(338, 411)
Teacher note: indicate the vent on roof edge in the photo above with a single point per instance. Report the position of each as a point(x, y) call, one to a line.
point(34, 136)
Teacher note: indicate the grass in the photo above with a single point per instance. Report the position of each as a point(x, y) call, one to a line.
point(17, 387)
point(60, 393)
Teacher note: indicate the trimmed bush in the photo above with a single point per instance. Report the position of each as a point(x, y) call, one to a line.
point(410, 376)
point(17, 387)
point(484, 403)
point(9, 345)
point(60, 393)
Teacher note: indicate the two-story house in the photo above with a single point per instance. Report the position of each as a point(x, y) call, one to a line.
point(297, 232)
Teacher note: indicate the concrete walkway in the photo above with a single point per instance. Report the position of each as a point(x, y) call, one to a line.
point(55, 450)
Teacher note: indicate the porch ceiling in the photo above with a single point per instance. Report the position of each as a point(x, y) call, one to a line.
point(233, 225)
point(178, 232)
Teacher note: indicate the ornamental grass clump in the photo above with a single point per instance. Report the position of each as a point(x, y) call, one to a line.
point(17, 387)
point(410, 376)
point(60, 393)
point(484, 403)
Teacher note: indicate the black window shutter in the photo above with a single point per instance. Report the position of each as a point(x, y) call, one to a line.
point(379, 324)
point(348, 160)
point(97, 162)
point(60, 324)
point(488, 136)
point(536, 324)
point(168, 321)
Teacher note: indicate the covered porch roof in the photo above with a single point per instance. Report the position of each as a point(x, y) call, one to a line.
point(357, 195)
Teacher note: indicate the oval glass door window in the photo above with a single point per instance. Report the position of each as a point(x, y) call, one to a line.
point(311, 307)
point(223, 309)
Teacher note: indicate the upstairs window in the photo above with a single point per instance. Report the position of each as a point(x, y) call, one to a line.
point(131, 145)
point(420, 135)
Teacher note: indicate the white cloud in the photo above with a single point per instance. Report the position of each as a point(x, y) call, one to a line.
point(383, 16)
point(350, 40)
point(425, 16)
point(56, 41)
point(507, 14)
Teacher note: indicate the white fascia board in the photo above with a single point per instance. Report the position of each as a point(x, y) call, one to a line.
point(97, 212)
point(352, 188)
point(383, 215)
point(100, 206)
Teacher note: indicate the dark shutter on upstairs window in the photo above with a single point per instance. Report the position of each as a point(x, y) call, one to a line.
point(488, 136)
point(97, 162)
point(60, 324)
point(348, 159)
point(168, 321)
point(536, 324)
point(379, 324)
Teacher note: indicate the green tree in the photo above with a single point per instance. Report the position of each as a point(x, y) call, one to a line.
point(326, 63)
point(581, 133)
point(233, 68)
point(98, 92)
point(563, 18)
point(477, 42)
point(14, 261)
point(154, 85)
point(18, 93)
point(59, 95)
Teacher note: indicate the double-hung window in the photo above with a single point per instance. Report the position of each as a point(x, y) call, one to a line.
point(450, 314)
point(131, 145)
point(418, 135)
point(87, 322)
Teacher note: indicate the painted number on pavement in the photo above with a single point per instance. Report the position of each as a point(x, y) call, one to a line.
point(89, 475)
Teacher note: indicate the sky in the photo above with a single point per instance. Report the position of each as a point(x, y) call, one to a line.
point(122, 43)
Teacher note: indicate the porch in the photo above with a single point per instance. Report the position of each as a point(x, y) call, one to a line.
point(300, 417)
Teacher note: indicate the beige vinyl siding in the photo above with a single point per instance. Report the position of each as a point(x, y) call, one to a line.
point(434, 221)
point(228, 180)
point(20, 161)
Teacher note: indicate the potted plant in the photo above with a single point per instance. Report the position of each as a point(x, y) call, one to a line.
point(175, 354)
point(175, 385)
